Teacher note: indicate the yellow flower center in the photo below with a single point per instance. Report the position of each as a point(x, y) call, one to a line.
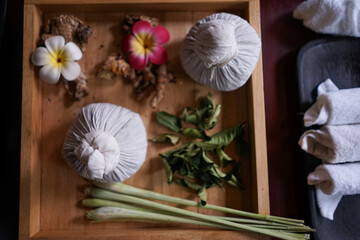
point(143, 43)
point(58, 58)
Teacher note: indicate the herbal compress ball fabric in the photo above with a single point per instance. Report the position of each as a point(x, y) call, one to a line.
point(106, 143)
point(220, 51)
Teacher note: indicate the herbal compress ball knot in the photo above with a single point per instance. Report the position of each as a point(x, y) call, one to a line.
point(100, 152)
point(215, 42)
point(106, 143)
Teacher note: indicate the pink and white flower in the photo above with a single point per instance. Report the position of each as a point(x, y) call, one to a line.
point(144, 45)
point(57, 58)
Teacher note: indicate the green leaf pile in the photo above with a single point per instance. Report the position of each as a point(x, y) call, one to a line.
point(189, 165)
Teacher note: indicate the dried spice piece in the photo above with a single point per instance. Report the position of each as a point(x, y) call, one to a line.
point(78, 88)
point(131, 19)
point(70, 27)
point(163, 77)
point(190, 165)
point(116, 65)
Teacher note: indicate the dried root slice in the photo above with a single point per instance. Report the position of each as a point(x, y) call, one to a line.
point(78, 88)
point(162, 78)
point(116, 65)
point(131, 19)
point(72, 28)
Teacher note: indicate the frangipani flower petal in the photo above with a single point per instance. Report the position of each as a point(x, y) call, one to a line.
point(70, 70)
point(55, 44)
point(138, 62)
point(50, 73)
point(40, 56)
point(71, 52)
point(126, 43)
point(159, 55)
point(140, 27)
point(160, 34)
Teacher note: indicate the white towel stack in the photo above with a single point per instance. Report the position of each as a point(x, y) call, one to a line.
point(336, 143)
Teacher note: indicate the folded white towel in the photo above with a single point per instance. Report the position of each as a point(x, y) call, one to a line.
point(334, 106)
point(333, 181)
point(337, 17)
point(333, 144)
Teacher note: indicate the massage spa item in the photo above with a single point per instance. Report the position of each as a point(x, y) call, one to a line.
point(106, 143)
point(333, 181)
point(220, 51)
point(334, 106)
point(337, 17)
point(333, 144)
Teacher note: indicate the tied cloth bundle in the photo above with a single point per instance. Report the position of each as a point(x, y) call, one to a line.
point(336, 143)
point(220, 51)
point(106, 143)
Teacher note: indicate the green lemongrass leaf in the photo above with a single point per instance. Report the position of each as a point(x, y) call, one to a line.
point(223, 158)
point(169, 172)
point(194, 133)
point(206, 146)
point(202, 195)
point(184, 170)
point(190, 118)
point(225, 137)
point(208, 112)
point(232, 180)
point(172, 138)
point(210, 180)
point(216, 172)
point(170, 153)
point(206, 164)
point(195, 162)
point(207, 102)
point(186, 183)
point(200, 190)
point(170, 121)
point(210, 121)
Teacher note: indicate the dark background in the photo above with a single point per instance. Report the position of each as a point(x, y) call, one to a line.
point(282, 37)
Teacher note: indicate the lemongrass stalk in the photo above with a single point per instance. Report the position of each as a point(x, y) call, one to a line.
point(103, 214)
point(252, 221)
point(289, 228)
point(97, 202)
point(142, 193)
point(101, 193)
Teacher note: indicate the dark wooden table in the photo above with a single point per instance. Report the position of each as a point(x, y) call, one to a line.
point(282, 37)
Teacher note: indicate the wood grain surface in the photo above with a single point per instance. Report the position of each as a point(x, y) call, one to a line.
point(51, 191)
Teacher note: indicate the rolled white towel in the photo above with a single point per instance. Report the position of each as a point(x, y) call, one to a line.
point(332, 181)
point(334, 106)
point(333, 144)
point(338, 17)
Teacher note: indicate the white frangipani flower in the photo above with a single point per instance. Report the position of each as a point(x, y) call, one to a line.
point(57, 58)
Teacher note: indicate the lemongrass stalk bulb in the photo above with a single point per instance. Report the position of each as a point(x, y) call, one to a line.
point(56, 59)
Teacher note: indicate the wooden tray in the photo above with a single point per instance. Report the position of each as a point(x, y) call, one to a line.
point(51, 191)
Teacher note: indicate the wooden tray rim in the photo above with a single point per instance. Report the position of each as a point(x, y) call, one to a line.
point(29, 222)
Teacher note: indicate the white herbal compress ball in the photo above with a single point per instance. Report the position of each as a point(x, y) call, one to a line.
point(106, 143)
point(220, 51)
